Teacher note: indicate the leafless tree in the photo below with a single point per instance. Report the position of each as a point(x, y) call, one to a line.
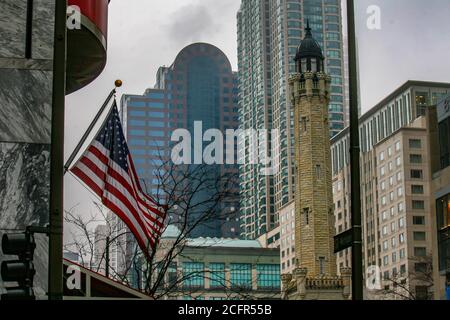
point(91, 246)
point(417, 284)
point(193, 197)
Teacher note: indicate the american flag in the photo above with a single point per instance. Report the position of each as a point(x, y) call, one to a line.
point(107, 168)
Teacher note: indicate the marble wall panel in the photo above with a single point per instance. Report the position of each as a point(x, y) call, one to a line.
point(25, 105)
point(13, 15)
point(24, 199)
point(43, 29)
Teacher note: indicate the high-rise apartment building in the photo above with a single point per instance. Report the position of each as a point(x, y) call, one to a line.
point(269, 33)
point(199, 86)
point(395, 184)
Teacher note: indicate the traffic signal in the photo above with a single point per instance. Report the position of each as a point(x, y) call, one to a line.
point(22, 270)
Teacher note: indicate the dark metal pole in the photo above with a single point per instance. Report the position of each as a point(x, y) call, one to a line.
point(107, 257)
point(88, 131)
point(357, 268)
point(55, 269)
point(29, 32)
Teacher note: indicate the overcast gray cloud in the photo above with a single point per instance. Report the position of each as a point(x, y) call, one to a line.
point(191, 23)
point(414, 43)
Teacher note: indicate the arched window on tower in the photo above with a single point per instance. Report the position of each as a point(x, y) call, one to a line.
point(304, 65)
point(314, 65)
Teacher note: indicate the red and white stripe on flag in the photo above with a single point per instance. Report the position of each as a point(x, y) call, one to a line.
point(113, 178)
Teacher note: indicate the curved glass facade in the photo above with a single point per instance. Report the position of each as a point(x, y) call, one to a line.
point(199, 86)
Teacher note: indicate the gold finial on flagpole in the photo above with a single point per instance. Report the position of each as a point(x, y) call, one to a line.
point(118, 83)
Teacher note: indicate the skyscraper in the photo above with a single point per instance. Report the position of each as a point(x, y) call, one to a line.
point(199, 86)
point(269, 33)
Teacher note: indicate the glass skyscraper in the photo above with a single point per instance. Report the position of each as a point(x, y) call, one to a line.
point(269, 33)
point(199, 86)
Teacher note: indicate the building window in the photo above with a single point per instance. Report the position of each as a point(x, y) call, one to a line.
point(306, 215)
point(416, 174)
point(217, 275)
point(268, 276)
point(155, 114)
point(418, 204)
point(391, 181)
point(137, 132)
point(318, 172)
point(137, 123)
point(421, 267)
point(415, 143)
point(393, 243)
point(417, 189)
point(397, 146)
point(403, 269)
point(193, 275)
point(415, 158)
point(420, 252)
point(304, 124)
point(401, 223)
point(241, 275)
point(419, 220)
point(157, 124)
point(394, 257)
point(389, 151)
point(156, 133)
point(402, 254)
point(137, 142)
point(393, 227)
point(420, 236)
point(172, 274)
point(138, 113)
point(322, 265)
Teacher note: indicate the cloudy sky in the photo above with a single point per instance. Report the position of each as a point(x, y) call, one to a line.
point(413, 43)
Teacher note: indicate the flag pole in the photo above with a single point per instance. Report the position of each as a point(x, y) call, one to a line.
point(357, 265)
point(118, 84)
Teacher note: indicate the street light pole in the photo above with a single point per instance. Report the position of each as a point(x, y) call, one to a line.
point(55, 268)
point(357, 266)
